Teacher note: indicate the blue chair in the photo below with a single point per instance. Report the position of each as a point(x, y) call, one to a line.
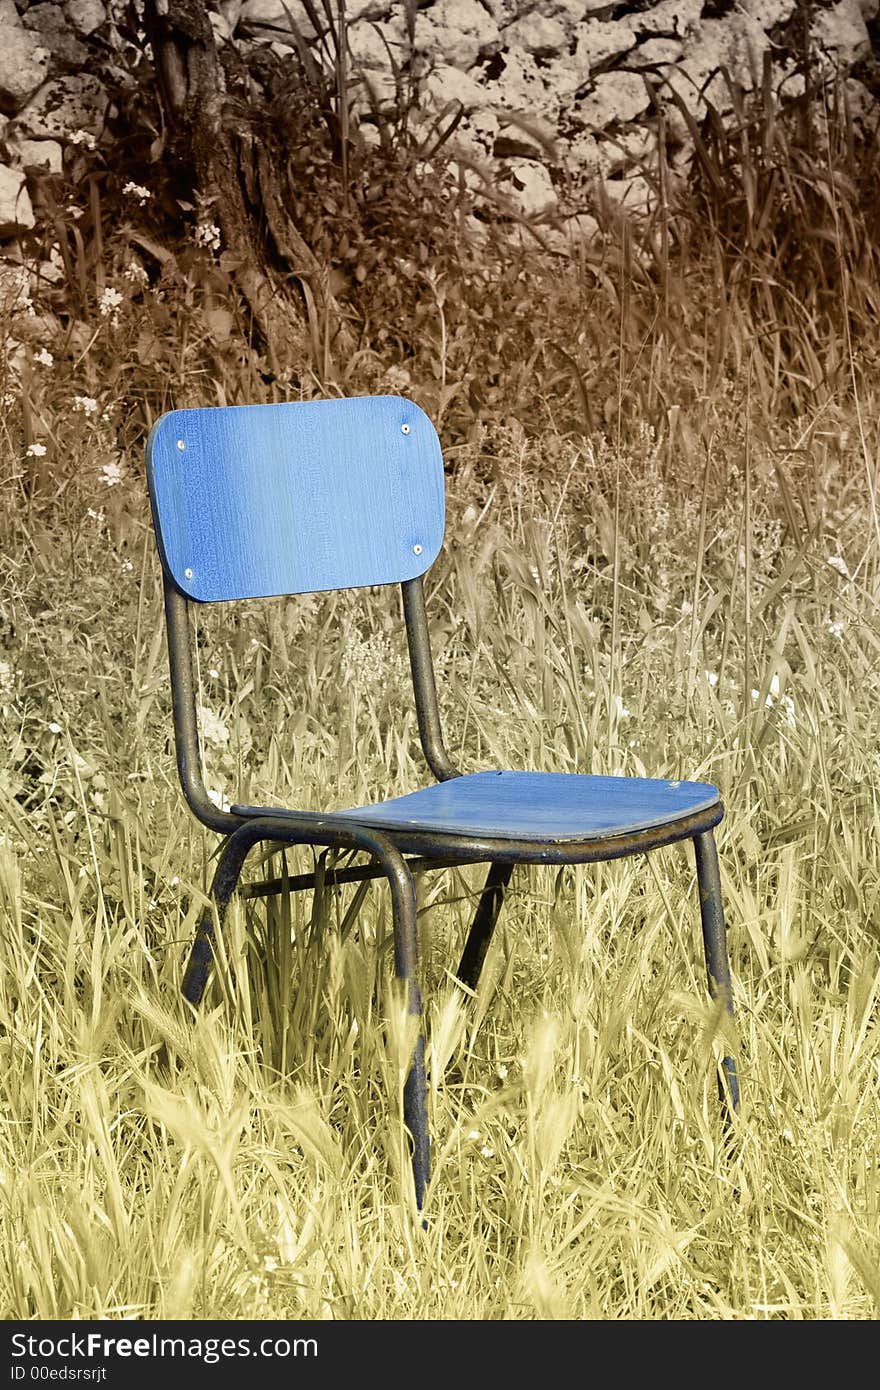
point(254, 501)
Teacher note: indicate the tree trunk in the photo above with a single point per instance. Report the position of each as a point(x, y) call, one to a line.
point(204, 137)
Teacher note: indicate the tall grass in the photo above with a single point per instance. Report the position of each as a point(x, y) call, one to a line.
point(661, 560)
point(250, 1162)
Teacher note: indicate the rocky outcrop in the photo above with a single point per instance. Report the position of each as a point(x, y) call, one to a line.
point(551, 93)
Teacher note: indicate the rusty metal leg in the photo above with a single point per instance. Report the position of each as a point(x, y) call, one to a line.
point(309, 830)
point(226, 876)
point(715, 943)
point(483, 925)
point(406, 968)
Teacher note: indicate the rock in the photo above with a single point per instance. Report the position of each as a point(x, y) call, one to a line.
point(16, 211)
point(769, 13)
point(864, 109)
point(39, 154)
point(598, 41)
point(473, 139)
point(367, 9)
point(521, 86)
point(656, 53)
point(260, 17)
point(537, 34)
point(85, 15)
point(735, 44)
point(531, 187)
point(570, 13)
point(50, 23)
point(504, 11)
point(457, 32)
point(585, 153)
point(65, 106)
point(369, 45)
point(375, 90)
point(841, 33)
point(444, 84)
point(616, 97)
point(24, 61)
point(220, 25)
point(634, 195)
point(677, 18)
point(230, 11)
point(521, 136)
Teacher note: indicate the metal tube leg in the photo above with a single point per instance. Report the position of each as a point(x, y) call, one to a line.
point(310, 830)
point(406, 967)
point(483, 925)
point(715, 941)
point(201, 956)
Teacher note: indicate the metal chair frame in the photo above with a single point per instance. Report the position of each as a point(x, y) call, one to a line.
point(398, 856)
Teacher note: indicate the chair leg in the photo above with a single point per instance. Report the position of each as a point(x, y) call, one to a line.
point(406, 968)
point(715, 942)
point(223, 885)
point(483, 925)
point(406, 947)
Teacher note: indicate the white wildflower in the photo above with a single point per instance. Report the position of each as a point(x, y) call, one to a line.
point(487, 1152)
point(473, 1134)
point(83, 137)
point(135, 274)
point(711, 677)
point(620, 708)
point(87, 404)
point(371, 660)
point(111, 474)
point(74, 212)
point(35, 451)
point(109, 303)
point(127, 567)
point(208, 235)
point(137, 190)
point(6, 681)
point(95, 516)
point(836, 628)
point(54, 728)
point(219, 800)
point(44, 357)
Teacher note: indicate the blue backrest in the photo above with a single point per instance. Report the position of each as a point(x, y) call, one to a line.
point(254, 500)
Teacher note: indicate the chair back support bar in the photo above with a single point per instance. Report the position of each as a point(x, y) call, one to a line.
point(258, 501)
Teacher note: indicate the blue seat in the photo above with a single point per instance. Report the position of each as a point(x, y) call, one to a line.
point(254, 501)
point(547, 808)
